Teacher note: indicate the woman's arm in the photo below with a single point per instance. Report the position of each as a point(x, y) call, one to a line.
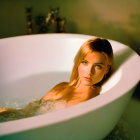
point(4, 109)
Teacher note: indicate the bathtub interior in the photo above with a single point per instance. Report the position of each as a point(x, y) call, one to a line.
point(32, 65)
point(30, 69)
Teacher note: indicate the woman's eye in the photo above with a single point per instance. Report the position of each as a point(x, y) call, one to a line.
point(98, 66)
point(84, 62)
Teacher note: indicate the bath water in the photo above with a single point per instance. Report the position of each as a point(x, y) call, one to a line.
point(36, 108)
point(32, 109)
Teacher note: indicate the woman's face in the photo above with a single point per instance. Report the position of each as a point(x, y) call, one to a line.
point(93, 68)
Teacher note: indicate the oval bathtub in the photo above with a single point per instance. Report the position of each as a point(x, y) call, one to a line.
point(31, 65)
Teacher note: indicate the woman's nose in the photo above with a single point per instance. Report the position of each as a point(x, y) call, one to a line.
point(91, 70)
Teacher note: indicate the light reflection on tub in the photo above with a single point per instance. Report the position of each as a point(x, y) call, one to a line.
point(28, 70)
point(112, 81)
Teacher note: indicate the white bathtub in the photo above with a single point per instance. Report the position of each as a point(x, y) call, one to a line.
point(31, 65)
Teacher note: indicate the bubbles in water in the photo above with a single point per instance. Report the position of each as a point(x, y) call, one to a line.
point(32, 109)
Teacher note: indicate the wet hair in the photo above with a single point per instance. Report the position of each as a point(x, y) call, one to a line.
point(92, 45)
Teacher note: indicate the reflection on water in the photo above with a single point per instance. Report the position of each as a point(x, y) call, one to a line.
point(26, 90)
point(32, 109)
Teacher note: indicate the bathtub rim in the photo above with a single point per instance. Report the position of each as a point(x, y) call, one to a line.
point(79, 109)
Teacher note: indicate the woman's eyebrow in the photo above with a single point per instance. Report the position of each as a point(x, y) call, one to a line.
point(100, 63)
point(84, 60)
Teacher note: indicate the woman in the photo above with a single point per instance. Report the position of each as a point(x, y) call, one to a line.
point(93, 65)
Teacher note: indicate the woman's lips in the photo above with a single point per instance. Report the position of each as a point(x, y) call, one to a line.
point(87, 78)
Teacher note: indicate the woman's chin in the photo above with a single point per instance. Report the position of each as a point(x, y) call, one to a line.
point(86, 83)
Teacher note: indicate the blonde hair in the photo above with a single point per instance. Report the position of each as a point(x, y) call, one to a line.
point(91, 45)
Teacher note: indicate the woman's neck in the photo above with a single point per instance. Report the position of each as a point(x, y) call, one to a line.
point(81, 93)
point(82, 87)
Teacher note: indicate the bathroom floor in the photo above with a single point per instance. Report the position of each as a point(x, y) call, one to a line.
point(128, 128)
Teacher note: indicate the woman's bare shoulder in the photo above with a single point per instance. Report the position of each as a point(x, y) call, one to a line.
point(60, 86)
point(52, 94)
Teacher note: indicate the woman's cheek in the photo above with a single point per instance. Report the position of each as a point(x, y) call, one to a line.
point(81, 70)
point(99, 75)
